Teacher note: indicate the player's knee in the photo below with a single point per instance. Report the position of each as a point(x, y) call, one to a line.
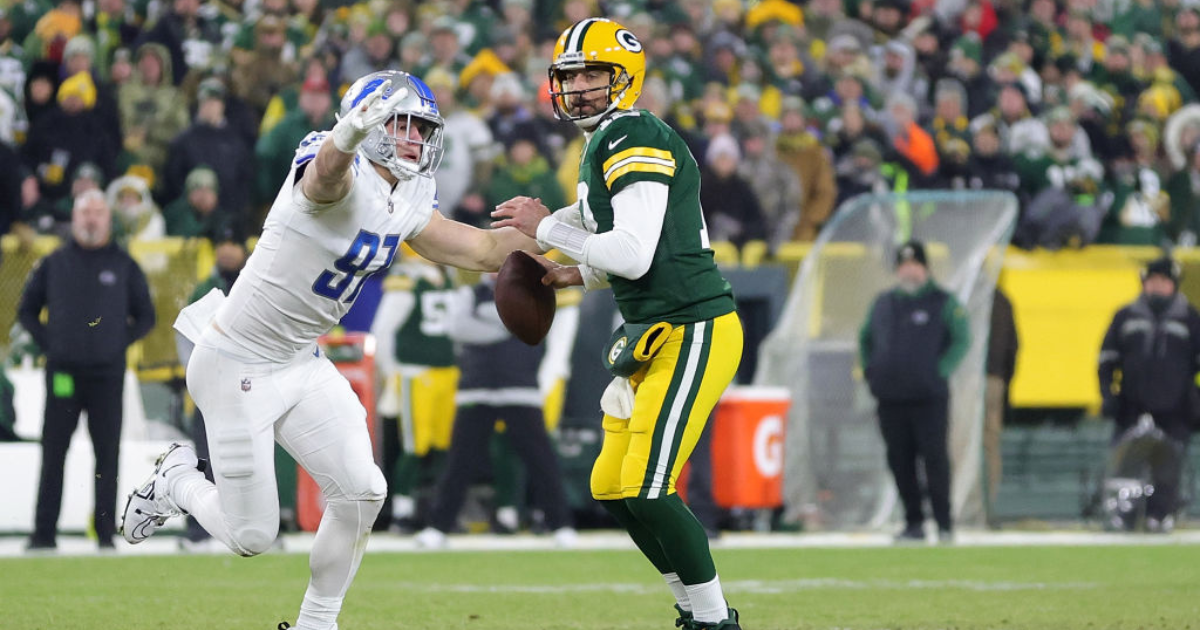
point(361, 483)
point(251, 541)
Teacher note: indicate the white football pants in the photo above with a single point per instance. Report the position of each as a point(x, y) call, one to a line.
point(310, 409)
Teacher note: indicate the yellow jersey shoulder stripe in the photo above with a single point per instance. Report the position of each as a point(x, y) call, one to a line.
point(638, 152)
point(641, 167)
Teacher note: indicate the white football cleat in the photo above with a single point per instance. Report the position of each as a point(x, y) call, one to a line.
point(148, 506)
point(565, 537)
point(430, 538)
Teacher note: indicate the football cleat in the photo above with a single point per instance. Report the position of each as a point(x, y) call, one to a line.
point(283, 625)
point(430, 538)
point(148, 506)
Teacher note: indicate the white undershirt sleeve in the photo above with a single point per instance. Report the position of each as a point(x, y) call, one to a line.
point(628, 249)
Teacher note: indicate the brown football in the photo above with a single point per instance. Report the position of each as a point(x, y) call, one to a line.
point(526, 305)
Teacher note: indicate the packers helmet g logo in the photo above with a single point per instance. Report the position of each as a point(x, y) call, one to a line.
point(627, 41)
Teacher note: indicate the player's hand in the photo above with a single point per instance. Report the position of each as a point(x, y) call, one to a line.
point(522, 213)
point(372, 111)
point(559, 276)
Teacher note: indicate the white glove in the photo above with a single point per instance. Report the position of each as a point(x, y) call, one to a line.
point(617, 400)
point(373, 110)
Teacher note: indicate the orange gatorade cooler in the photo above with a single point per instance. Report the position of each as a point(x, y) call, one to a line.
point(747, 447)
point(354, 355)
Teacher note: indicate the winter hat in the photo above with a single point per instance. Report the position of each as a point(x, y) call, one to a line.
point(1165, 267)
point(80, 86)
point(722, 145)
point(912, 251)
point(201, 177)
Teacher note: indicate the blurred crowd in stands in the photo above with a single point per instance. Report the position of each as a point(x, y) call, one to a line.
point(187, 112)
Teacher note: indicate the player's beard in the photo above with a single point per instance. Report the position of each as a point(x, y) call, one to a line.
point(587, 104)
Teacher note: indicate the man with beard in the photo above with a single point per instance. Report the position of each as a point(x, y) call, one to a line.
point(912, 341)
point(1152, 350)
point(98, 303)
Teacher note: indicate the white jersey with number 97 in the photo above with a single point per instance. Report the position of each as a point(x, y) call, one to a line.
point(312, 259)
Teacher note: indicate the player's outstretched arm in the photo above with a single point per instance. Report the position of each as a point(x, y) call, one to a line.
point(328, 179)
point(468, 247)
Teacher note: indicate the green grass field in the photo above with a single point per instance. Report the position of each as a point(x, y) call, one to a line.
point(1059, 588)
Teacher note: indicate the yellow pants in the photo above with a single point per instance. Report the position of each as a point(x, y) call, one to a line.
point(673, 397)
point(427, 410)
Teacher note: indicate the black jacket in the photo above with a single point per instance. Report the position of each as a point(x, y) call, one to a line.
point(1158, 356)
point(59, 142)
point(98, 303)
point(910, 344)
point(224, 151)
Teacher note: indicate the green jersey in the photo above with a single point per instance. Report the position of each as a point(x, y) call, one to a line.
point(683, 284)
point(422, 339)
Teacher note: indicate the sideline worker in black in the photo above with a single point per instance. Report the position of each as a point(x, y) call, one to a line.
point(498, 382)
point(1148, 365)
point(97, 303)
point(913, 340)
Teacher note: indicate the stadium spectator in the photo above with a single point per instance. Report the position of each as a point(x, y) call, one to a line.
point(812, 162)
point(498, 383)
point(523, 170)
point(731, 210)
point(1183, 49)
point(98, 303)
point(198, 212)
point(1063, 186)
point(114, 26)
point(276, 148)
point(373, 54)
point(1151, 349)
point(858, 172)
point(135, 215)
point(189, 35)
point(211, 141)
point(467, 161)
point(989, 168)
point(65, 137)
point(263, 71)
point(79, 56)
point(913, 339)
point(1003, 344)
point(153, 110)
point(775, 184)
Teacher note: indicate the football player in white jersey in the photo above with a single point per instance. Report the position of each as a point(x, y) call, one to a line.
point(353, 195)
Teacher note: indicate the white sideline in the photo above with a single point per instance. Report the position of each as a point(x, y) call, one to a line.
point(13, 546)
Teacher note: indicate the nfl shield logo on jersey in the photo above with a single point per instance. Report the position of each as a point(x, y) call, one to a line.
point(245, 384)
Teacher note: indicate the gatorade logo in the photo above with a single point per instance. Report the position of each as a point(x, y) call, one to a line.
point(768, 446)
point(617, 348)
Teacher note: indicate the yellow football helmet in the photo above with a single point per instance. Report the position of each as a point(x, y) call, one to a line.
point(598, 42)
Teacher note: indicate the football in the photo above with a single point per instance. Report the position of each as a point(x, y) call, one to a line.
point(526, 305)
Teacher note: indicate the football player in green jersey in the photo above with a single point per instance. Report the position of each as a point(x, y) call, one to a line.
point(638, 228)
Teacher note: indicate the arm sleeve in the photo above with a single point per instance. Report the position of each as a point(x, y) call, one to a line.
point(141, 307)
point(475, 322)
point(960, 337)
point(32, 301)
point(628, 249)
point(394, 309)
